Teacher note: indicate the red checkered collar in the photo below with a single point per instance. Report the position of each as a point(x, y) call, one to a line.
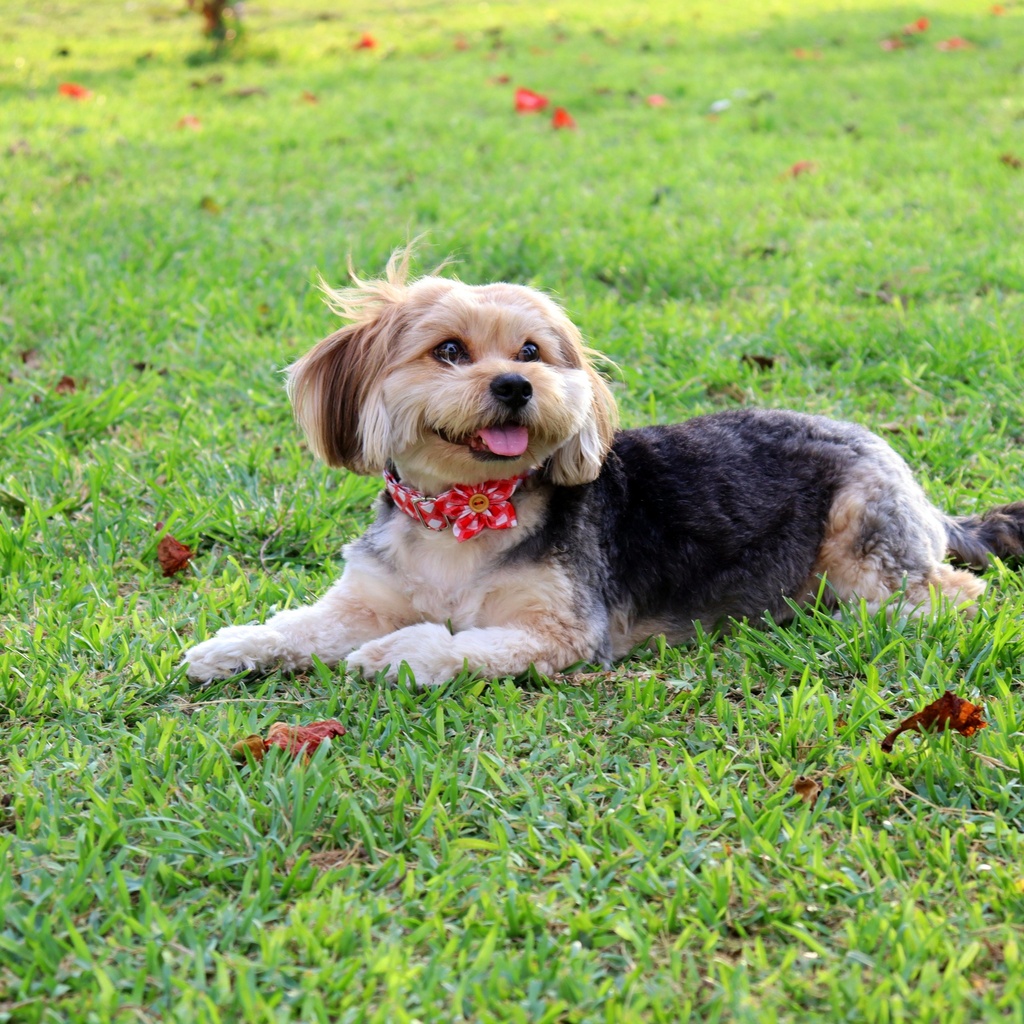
point(467, 508)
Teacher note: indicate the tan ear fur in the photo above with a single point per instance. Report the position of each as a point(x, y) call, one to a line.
point(335, 387)
point(330, 391)
point(579, 460)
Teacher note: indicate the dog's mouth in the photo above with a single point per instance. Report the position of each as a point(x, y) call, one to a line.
point(505, 442)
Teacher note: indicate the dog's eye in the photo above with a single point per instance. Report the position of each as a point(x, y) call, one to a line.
point(529, 353)
point(451, 351)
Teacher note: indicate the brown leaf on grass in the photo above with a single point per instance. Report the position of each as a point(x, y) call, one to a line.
point(303, 739)
point(249, 90)
point(209, 205)
point(252, 743)
point(758, 362)
point(30, 358)
point(948, 712)
point(801, 167)
point(66, 386)
point(1011, 160)
point(729, 390)
point(807, 788)
point(172, 555)
point(310, 97)
point(191, 122)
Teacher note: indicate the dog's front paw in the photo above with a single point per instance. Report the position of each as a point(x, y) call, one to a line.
point(231, 650)
point(427, 649)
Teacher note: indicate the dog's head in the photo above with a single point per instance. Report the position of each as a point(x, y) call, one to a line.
point(453, 382)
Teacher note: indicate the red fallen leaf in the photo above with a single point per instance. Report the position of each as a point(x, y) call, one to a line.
point(562, 119)
point(303, 739)
point(366, 42)
point(74, 91)
point(998, 10)
point(309, 97)
point(1012, 161)
point(191, 122)
point(801, 167)
point(948, 712)
point(956, 43)
point(916, 27)
point(529, 102)
point(172, 555)
point(66, 386)
point(656, 100)
point(891, 44)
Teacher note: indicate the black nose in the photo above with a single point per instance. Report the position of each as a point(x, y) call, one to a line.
point(512, 389)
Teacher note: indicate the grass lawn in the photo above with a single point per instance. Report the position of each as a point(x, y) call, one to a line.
point(603, 848)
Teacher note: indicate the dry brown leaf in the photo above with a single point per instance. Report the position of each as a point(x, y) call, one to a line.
point(807, 788)
point(173, 555)
point(948, 712)
point(1011, 160)
point(209, 205)
point(66, 386)
point(252, 743)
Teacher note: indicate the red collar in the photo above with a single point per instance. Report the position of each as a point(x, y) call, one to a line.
point(466, 508)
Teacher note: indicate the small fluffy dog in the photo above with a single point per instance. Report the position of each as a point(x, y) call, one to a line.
point(518, 527)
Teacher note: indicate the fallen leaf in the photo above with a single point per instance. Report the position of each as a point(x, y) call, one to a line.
point(209, 205)
point(460, 43)
point(249, 90)
point(562, 119)
point(30, 359)
point(656, 100)
point(891, 44)
point(807, 789)
point(948, 712)
point(955, 43)
point(998, 10)
point(74, 91)
point(309, 97)
point(303, 739)
point(366, 42)
point(191, 122)
point(1011, 161)
point(758, 362)
point(801, 167)
point(66, 386)
point(730, 390)
point(172, 555)
point(801, 54)
point(529, 102)
point(252, 743)
point(501, 80)
point(916, 27)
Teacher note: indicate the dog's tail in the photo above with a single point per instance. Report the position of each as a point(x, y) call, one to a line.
point(999, 532)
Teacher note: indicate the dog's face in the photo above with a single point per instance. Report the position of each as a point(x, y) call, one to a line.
point(454, 383)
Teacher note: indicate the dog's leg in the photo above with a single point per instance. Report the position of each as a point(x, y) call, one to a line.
point(434, 655)
point(884, 534)
point(358, 607)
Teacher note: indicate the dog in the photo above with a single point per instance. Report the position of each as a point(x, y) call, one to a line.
point(518, 527)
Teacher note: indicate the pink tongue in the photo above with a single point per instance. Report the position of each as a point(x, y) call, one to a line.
point(506, 440)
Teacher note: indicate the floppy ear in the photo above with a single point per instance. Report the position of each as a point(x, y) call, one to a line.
point(335, 388)
point(335, 392)
point(579, 460)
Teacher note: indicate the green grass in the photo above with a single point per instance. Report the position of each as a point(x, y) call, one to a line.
point(612, 848)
